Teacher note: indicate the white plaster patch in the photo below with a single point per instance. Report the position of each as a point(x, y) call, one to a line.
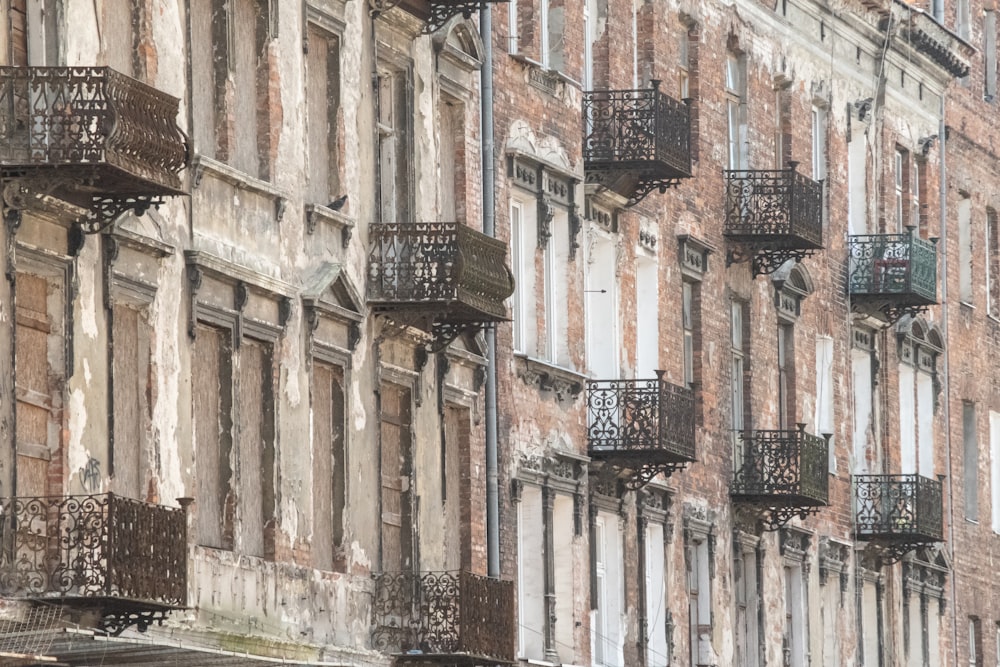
point(77, 455)
point(87, 375)
point(291, 363)
point(88, 306)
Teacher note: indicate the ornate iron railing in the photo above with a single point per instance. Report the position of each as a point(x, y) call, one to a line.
point(640, 423)
point(781, 208)
point(637, 130)
point(99, 546)
point(439, 268)
point(444, 613)
point(898, 508)
point(122, 133)
point(781, 468)
point(897, 268)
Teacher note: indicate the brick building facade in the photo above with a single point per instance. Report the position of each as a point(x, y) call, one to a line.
point(713, 395)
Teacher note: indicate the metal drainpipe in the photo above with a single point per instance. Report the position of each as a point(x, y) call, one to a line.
point(489, 228)
point(942, 245)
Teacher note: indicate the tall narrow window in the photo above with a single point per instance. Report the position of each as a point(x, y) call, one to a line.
point(962, 19)
point(131, 383)
point(862, 376)
point(975, 642)
point(524, 241)
point(608, 574)
point(736, 113)
point(739, 376)
point(970, 461)
point(212, 412)
point(965, 248)
point(899, 190)
point(255, 403)
point(786, 376)
point(992, 262)
point(990, 54)
point(857, 175)
point(824, 392)
point(657, 647)
point(647, 317)
point(329, 493)
point(396, 538)
point(602, 308)
point(793, 639)
point(699, 602)
point(393, 145)
point(687, 318)
point(530, 582)
point(818, 142)
point(937, 10)
point(553, 17)
point(782, 127)
point(747, 598)
point(323, 106)
point(684, 69)
point(995, 470)
point(513, 31)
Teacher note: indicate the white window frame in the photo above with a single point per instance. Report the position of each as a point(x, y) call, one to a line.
point(819, 122)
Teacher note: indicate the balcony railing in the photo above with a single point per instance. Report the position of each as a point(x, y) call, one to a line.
point(900, 509)
point(784, 470)
point(891, 272)
point(442, 269)
point(117, 553)
point(642, 133)
point(780, 207)
point(444, 613)
point(647, 426)
point(118, 136)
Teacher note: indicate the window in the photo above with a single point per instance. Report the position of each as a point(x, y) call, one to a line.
point(782, 127)
point(919, 349)
point(699, 602)
point(522, 242)
point(937, 10)
point(965, 248)
point(970, 461)
point(451, 166)
point(132, 389)
point(684, 70)
point(531, 610)
point(119, 40)
point(232, 71)
point(513, 31)
point(394, 150)
point(395, 405)
point(992, 263)
point(555, 259)
point(793, 632)
point(739, 375)
point(824, 392)
point(657, 646)
point(995, 470)
point(736, 111)
point(819, 142)
point(601, 284)
point(647, 314)
point(962, 19)
point(609, 638)
point(39, 380)
point(688, 307)
point(322, 111)
point(212, 412)
point(552, 19)
point(786, 376)
point(329, 492)
point(747, 595)
point(990, 54)
point(901, 180)
point(919, 218)
point(857, 174)
point(862, 381)
point(975, 642)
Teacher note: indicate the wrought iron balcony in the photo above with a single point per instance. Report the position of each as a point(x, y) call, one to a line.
point(636, 141)
point(890, 275)
point(772, 216)
point(644, 426)
point(448, 614)
point(93, 135)
point(899, 512)
point(124, 557)
point(781, 472)
point(443, 272)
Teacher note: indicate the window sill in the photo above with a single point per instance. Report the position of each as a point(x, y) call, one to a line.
point(240, 180)
point(564, 382)
point(316, 213)
point(966, 304)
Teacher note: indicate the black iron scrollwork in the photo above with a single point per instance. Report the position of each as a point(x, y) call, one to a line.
point(898, 513)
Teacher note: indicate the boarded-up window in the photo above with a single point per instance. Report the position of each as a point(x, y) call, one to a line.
point(395, 437)
point(211, 371)
point(328, 466)
point(246, 43)
point(36, 382)
point(18, 33)
point(132, 405)
point(394, 153)
point(323, 98)
point(451, 116)
point(205, 48)
point(255, 401)
point(118, 35)
point(455, 477)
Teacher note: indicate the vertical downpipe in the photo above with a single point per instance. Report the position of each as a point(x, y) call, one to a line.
point(489, 228)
